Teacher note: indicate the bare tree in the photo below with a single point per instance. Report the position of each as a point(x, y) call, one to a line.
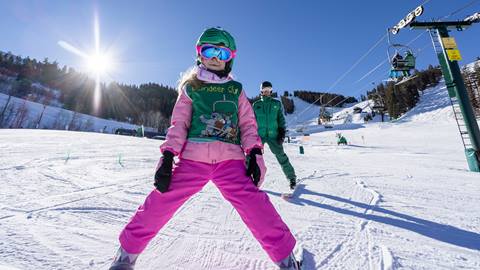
point(61, 120)
point(2, 115)
point(88, 125)
point(154, 119)
point(73, 122)
point(20, 115)
point(7, 116)
point(45, 102)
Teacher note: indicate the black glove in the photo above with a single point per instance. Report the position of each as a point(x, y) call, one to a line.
point(281, 135)
point(253, 170)
point(163, 176)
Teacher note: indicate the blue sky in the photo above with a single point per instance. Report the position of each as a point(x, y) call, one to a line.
point(304, 45)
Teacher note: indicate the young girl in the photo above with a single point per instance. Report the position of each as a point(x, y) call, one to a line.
point(213, 128)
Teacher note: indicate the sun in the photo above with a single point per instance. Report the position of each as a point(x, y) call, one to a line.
point(99, 64)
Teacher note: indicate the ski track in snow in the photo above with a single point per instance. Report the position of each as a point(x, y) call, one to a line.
point(55, 201)
point(357, 241)
point(387, 259)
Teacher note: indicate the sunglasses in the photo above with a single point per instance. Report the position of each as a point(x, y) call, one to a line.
point(221, 53)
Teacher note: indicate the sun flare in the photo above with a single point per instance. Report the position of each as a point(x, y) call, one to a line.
point(99, 64)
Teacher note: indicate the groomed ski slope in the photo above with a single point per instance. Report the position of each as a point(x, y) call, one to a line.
point(398, 197)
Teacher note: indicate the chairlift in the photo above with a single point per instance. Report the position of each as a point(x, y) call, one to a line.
point(324, 116)
point(402, 61)
point(378, 103)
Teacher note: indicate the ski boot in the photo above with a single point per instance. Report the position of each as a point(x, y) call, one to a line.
point(293, 184)
point(289, 263)
point(123, 260)
point(289, 195)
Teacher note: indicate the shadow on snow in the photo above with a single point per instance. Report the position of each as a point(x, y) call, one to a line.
point(441, 232)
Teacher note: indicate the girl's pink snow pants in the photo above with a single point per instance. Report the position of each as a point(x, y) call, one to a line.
point(188, 178)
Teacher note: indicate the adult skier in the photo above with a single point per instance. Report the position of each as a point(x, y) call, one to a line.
point(272, 129)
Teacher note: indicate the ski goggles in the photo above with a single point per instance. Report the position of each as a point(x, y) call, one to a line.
point(266, 90)
point(209, 51)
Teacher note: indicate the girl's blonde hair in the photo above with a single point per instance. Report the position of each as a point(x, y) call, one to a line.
point(189, 77)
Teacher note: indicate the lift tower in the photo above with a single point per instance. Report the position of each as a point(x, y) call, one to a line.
point(448, 56)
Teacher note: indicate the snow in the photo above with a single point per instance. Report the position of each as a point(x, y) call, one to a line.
point(304, 112)
point(56, 118)
point(51, 116)
point(305, 118)
point(471, 67)
point(434, 107)
point(399, 196)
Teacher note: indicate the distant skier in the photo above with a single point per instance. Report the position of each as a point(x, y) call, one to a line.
point(272, 129)
point(397, 61)
point(401, 66)
point(207, 150)
point(341, 139)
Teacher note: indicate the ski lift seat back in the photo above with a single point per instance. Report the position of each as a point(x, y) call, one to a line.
point(405, 63)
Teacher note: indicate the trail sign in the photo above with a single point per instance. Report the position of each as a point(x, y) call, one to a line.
point(453, 55)
point(449, 43)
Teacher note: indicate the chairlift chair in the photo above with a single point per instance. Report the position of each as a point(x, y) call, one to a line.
point(402, 61)
point(324, 116)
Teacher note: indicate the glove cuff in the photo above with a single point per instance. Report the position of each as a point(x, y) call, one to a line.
point(255, 151)
point(167, 155)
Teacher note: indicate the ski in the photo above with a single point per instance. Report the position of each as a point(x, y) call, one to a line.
point(289, 195)
point(405, 80)
point(299, 258)
point(293, 193)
